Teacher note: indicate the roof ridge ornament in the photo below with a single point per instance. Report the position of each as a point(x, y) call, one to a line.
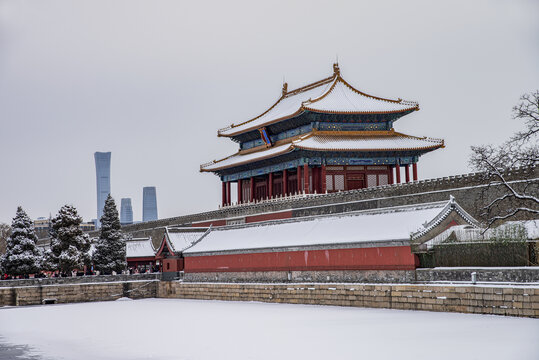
point(336, 70)
point(285, 88)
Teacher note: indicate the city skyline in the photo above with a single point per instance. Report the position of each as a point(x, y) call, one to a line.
point(102, 174)
point(149, 203)
point(155, 95)
point(126, 211)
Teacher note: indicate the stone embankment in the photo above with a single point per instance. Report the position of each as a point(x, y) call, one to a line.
point(528, 274)
point(514, 301)
point(78, 290)
point(78, 280)
point(502, 291)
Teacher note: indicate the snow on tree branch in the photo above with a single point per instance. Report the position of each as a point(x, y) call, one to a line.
point(520, 151)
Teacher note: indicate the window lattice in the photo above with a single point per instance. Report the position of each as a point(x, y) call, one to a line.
point(329, 182)
point(339, 182)
point(383, 179)
point(371, 180)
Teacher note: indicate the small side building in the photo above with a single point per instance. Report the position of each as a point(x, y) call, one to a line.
point(140, 254)
point(175, 240)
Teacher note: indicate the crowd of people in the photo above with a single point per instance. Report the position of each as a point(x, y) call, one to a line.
point(143, 269)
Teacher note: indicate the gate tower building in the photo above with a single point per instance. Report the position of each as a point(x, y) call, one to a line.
point(323, 137)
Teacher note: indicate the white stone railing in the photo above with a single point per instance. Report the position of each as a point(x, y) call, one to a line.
point(273, 199)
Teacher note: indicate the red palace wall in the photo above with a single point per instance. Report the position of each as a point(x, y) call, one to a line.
point(378, 258)
point(208, 223)
point(172, 265)
point(270, 216)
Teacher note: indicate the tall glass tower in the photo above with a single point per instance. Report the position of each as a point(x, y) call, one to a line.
point(126, 212)
point(149, 204)
point(102, 173)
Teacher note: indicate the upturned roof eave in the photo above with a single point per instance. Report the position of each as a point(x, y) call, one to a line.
point(286, 150)
point(296, 145)
point(428, 148)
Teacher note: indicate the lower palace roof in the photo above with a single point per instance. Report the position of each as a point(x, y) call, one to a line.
point(360, 141)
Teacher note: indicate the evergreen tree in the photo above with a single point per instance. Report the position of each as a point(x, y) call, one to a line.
point(22, 255)
point(109, 252)
point(69, 245)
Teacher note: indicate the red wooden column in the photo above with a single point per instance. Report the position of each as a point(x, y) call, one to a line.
point(240, 192)
point(224, 193)
point(228, 193)
point(270, 185)
point(299, 179)
point(252, 183)
point(285, 182)
point(414, 171)
point(306, 177)
point(323, 179)
point(398, 173)
point(316, 179)
point(407, 172)
point(391, 180)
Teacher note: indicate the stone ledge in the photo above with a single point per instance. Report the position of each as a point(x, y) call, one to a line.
point(465, 299)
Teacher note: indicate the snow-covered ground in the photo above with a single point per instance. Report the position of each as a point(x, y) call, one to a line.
point(197, 329)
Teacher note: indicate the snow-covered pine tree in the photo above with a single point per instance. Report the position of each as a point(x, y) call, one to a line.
point(109, 252)
point(22, 255)
point(69, 245)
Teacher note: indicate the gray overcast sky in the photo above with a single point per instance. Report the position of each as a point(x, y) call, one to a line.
point(152, 81)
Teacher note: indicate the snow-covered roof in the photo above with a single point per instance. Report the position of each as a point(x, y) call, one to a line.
point(330, 95)
point(180, 239)
point(446, 211)
point(366, 141)
point(141, 247)
point(388, 224)
point(332, 141)
point(511, 230)
point(343, 98)
point(243, 158)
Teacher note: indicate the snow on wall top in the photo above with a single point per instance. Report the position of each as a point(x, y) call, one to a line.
point(139, 248)
point(379, 225)
point(331, 95)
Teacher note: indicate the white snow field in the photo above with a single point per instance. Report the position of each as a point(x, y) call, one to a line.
point(198, 329)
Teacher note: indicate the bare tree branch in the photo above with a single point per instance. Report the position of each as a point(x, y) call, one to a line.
point(527, 110)
point(520, 151)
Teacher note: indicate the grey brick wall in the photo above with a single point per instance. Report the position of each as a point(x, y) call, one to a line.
point(513, 301)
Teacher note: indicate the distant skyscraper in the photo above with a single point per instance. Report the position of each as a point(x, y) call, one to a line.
point(149, 204)
point(102, 172)
point(126, 212)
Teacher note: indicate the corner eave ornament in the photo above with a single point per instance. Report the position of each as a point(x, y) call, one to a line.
point(336, 70)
